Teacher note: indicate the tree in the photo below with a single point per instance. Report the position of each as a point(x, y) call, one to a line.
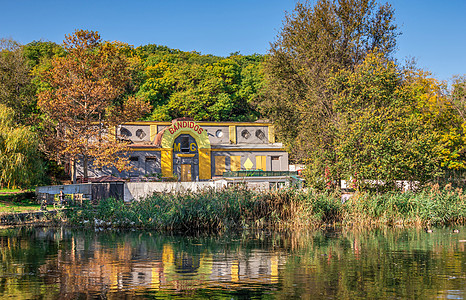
point(21, 163)
point(16, 89)
point(83, 101)
point(314, 44)
point(37, 52)
point(391, 123)
point(204, 87)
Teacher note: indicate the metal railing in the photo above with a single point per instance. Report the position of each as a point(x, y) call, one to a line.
point(258, 173)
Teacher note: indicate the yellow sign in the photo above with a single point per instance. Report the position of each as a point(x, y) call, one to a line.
point(177, 147)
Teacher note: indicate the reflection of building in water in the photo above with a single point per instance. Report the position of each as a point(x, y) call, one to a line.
point(258, 266)
point(87, 268)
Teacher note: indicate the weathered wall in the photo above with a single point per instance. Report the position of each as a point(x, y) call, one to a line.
point(139, 190)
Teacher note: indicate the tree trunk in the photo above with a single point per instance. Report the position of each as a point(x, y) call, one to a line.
point(85, 167)
point(73, 171)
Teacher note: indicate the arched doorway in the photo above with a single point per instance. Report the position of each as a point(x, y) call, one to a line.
point(172, 159)
point(185, 158)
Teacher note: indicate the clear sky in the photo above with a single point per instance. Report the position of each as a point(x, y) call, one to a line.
point(434, 31)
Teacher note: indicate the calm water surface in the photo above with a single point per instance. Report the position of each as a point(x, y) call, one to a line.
point(379, 264)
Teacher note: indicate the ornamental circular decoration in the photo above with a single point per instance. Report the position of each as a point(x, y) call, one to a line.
point(140, 133)
point(125, 132)
point(219, 133)
point(245, 134)
point(260, 134)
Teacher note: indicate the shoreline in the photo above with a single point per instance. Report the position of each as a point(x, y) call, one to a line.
point(279, 210)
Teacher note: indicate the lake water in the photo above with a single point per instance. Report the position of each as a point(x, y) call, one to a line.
point(62, 263)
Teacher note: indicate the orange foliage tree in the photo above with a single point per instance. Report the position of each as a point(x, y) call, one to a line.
point(83, 99)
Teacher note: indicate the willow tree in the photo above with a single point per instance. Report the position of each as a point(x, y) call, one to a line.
point(314, 44)
point(21, 164)
point(84, 99)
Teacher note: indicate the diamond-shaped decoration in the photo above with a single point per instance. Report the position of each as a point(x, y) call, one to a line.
point(248, 164)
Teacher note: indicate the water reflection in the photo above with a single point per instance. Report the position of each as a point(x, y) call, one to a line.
point(68, 264)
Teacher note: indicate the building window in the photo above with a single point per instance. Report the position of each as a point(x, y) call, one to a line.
point(134, 158)
point(245, 134)
point(151, 158)
point(275, 157)
point(140, 133)
point(261, 162)
point(235, 163)
point(185, 144)
point(260, 134)
point(219, 165)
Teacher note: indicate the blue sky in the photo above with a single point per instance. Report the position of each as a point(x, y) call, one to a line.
point(434, 32)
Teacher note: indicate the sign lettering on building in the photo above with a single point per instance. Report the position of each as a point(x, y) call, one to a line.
point(185, 124)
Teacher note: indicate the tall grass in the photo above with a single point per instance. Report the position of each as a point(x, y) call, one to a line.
point(238, 208)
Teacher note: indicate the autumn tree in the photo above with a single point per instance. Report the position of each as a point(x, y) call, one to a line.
point(83, 101)
point(314, 44)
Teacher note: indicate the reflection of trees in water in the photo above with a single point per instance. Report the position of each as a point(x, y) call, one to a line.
point(376, 264)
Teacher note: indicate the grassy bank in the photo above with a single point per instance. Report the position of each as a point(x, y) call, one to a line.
point(282, 209)
point(17, 201)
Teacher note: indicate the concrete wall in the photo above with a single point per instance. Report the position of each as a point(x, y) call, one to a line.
point(140, 190)
point(218, 134)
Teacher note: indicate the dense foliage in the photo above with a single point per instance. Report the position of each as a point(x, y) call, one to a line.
point(21, 162)
point(203, 87)
point(339, 101)
point(87, 81)
point(345, 108)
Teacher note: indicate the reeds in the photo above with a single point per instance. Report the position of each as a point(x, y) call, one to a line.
point(238, 208)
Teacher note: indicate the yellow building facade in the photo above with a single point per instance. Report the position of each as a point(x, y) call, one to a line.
point(197, 151)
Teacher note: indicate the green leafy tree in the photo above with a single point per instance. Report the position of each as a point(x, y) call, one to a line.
point(315, 43)
point(203, 87)
point(390, 123)
point(16, 88)
point(21, 164)
point(40, 52)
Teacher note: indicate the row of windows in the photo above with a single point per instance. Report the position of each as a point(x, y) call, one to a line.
point(235, 163)
point(148, 158)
